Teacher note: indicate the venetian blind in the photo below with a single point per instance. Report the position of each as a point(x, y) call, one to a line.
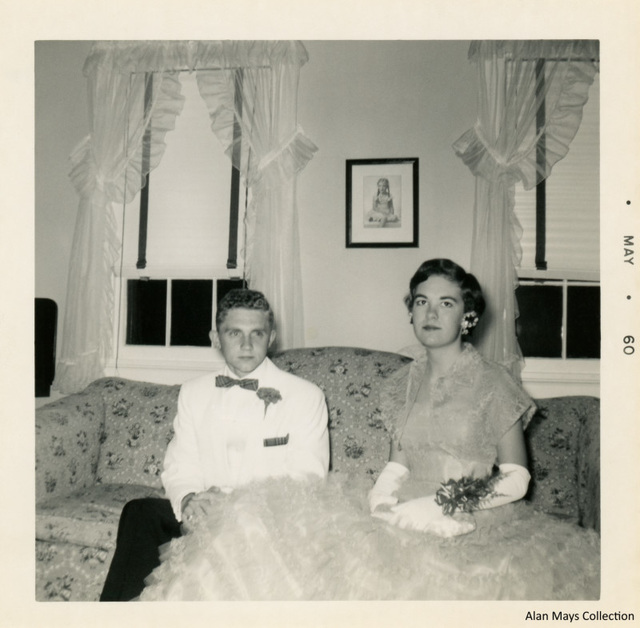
point(189, 196)
point(572, 204)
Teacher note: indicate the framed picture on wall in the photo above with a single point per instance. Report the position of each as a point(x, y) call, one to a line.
point(382, 202)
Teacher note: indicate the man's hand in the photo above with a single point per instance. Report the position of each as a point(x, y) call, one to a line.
point(197, 505)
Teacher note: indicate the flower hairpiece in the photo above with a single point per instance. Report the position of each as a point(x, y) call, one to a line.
point(469, 321)
point(268, 395)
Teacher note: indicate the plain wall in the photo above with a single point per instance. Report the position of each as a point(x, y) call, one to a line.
point(61, 122)
point(383, 99)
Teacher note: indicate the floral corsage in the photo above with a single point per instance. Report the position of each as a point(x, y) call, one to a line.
point(466, 493)
point(268, 395)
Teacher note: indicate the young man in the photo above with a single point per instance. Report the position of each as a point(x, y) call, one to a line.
point(249, 421)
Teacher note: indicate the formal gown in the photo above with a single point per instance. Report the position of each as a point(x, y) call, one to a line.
point(315, 540)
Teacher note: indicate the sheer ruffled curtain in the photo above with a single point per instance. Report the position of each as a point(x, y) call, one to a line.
point(259, 92)
point(126, 142)
point(516, 79)
point(107, 169)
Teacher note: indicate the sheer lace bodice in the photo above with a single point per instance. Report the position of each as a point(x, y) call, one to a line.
point(457, 431)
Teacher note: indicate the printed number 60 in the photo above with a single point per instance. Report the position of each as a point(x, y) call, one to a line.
point(628, 345)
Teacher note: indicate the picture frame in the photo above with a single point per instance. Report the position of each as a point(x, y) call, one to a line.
point(382, 203)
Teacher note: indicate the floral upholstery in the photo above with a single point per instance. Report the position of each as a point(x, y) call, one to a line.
point(588, 464)
point(88, 516)
point(68, 573)
point(564, 458)
point(68, 443)
point(138, 428)
point(76, 538)
point(100, 448)
point(350, 380)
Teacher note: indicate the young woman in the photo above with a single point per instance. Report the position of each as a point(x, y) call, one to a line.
point(454, 414)
point(448, 520)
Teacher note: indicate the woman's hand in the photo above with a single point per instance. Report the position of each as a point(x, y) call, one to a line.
point(424, 515)
point(389, 481)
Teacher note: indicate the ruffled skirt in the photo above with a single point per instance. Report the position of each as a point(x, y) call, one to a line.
point(287, 540)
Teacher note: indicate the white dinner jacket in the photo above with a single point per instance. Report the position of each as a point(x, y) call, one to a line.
point(288, 438)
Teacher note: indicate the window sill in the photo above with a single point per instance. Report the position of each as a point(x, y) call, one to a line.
point(545, 377)
point(162, 366)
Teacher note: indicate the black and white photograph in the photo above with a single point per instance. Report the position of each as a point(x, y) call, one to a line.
point(479, 422)
point(382, 202)
point(320, 329)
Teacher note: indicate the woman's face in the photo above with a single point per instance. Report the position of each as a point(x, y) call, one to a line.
point(437, 312)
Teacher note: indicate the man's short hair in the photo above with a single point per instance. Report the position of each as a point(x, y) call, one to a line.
point(246, 299)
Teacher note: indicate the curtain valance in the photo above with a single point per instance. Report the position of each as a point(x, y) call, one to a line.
point(161, 56)
point(585, 49)
point(502, 143)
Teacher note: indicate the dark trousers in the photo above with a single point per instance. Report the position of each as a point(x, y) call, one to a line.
point(145, 525)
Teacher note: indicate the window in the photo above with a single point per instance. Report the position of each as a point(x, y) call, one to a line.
point(558, 319)
point(168, 302)
point(177, 312)
point(189, 197)
point(146, 311)
point(559, 295)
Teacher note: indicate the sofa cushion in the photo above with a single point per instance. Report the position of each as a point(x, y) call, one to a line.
point(70, 573)
point(138, 427)
point(89, 517)
point(350, 379)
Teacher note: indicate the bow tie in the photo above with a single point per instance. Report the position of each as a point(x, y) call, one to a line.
point(222, 381)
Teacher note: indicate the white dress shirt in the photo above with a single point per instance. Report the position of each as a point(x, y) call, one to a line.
point(226, 437)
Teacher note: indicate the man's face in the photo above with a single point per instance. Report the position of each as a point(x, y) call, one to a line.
point(243, 338)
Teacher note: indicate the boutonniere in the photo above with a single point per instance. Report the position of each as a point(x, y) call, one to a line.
point(268, 395)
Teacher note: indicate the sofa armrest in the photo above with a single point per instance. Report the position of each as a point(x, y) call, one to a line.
point(588, 463)
point(68, 433)
point(563, 441)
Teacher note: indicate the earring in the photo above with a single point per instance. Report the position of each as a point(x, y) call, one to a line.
point(469, 321)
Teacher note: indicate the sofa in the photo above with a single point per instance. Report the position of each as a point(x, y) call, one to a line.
point(99, 448)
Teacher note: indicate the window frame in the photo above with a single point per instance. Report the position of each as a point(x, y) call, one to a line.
point(560, 376)
point(565, 284)
point(167, 356)
point(173, 363)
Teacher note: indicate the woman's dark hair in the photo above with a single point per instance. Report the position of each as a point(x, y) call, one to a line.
point(469, 286)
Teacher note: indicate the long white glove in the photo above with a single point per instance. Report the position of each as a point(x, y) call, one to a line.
point(389, 481)
point(425, 515)
point(509, 488)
